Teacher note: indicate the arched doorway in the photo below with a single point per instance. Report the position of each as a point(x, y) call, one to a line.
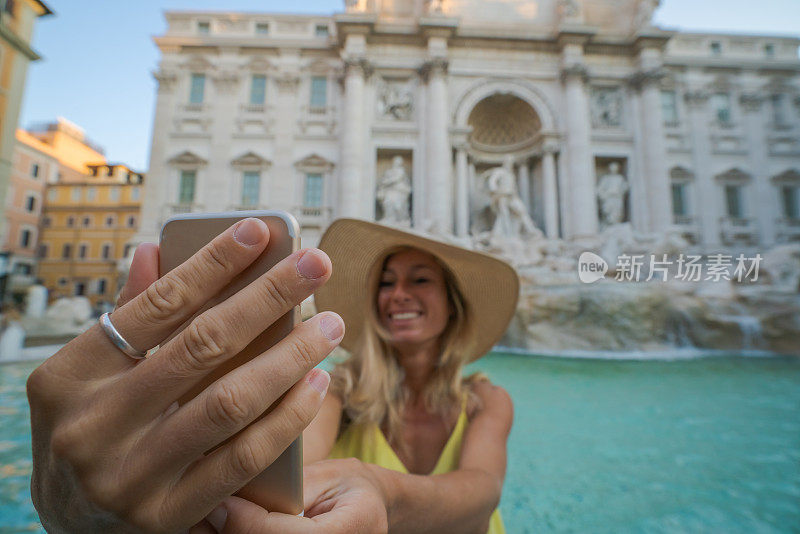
point(502, 128)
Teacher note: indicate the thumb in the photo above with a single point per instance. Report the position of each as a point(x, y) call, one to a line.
point(240, 516)
point(144, 271)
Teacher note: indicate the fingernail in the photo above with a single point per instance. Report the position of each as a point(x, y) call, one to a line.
point(218, 517)
point(319, 380)
point(331, 325)
point(249, 232)
point(311, 264)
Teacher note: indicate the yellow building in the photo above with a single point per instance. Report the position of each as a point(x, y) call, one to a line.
point(17, 18)
point(90, 212)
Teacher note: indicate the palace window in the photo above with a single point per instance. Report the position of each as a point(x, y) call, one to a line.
point(70, 221)
point(319, 92)
point(86, 222)
point(52, 194)
point(262, 28)
point(186, 187)
point(321, 30)
point(35, 170)
point(80, 289)
point(716, 48)
point(204, 27)
point(258, 89)
point(197, 88)
point(669, 107)
point(790, 195)
point(91, 194)
point(780, 110)
point(76, 194)
point(721, 104)
point(131, 222)
point(83, 251)
point(66, 251)
point(115, 193)
point(679, 207)
point(43, 251)
point(101, 286)
point(769, 50)
point(30, 203)
point(135, 194)
point(312, 197)
point(106, 251)
point(110, 221)
point(251, 186)
point(733, 201)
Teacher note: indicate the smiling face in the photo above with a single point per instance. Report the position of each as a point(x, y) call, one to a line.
point(412, 299)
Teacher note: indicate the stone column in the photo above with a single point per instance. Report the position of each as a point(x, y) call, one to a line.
point(462, 193)
point(764, 202)
point(283, 175)
point(524, 181)
point(705, 188)
point(438, 153)
point(213, 184)
point(653, 162)
point(351, 171)
point(155, 192)
point(550, 193)
point(583, 202)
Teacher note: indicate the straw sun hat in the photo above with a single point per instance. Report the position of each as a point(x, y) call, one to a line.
point(490, 286)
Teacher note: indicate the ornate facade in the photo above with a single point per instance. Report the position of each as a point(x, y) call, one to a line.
point(697, 133)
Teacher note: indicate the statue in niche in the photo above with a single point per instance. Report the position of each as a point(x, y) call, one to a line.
point(511, 215)
point(354, 6)
point(611, 190)
point(435, 7)
point(569, 10)
point(395, 101)
point(606, 107)
point(644, 14)
point(393, 194)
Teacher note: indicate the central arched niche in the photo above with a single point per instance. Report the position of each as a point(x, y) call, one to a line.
point(503, 123)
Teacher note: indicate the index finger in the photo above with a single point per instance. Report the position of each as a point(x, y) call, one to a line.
point(168, 302)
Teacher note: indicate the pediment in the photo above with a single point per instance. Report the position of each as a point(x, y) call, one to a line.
point(198, 63)
point(792, 176)
point(259, 64)
point(250, 159)
point(733, 175)
point(187, 159)
point(315, 162)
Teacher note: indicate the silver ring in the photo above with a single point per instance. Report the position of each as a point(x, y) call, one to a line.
point(118, 340)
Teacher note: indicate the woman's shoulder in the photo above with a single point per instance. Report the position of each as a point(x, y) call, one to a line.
point(487, 398)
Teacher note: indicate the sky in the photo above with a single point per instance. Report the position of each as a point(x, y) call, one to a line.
point(99, 55)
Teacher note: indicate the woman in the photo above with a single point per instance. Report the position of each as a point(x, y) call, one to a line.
point(429, 445)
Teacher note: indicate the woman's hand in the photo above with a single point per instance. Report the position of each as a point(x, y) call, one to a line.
point(113, 452)
point(341, 497)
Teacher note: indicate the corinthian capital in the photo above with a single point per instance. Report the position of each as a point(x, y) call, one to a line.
point(643, 79)
point(434, 67)
point(696, 98)
point(360, 65)
point(751, 101)
point(166, 80)
point(575, 71)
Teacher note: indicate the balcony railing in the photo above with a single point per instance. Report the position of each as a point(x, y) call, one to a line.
point(177, 209)
point(787, 229)
point(735, 230)
point(312, 216)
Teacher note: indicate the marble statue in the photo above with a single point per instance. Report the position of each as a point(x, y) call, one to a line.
point(511, 215)
point(606, 107)
point(353, 6)
point(435, 6)
point(611, 189)
point(395, 101)
point(393, 194)
point(36, 301)
point(569, 10)
point(644, 14)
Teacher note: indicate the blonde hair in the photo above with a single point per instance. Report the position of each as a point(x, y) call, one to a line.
point(370, 382)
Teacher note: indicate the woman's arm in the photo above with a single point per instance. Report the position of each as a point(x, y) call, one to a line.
point(463, 500)
point(320, 436)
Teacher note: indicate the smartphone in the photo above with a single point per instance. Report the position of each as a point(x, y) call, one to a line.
point(280, 487)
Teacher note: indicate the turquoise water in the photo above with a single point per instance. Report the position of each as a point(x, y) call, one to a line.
point(706, 445)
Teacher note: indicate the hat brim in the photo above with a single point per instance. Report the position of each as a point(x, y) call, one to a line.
point(490, 286)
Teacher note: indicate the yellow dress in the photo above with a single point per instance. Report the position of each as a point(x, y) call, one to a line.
point(368, 444)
